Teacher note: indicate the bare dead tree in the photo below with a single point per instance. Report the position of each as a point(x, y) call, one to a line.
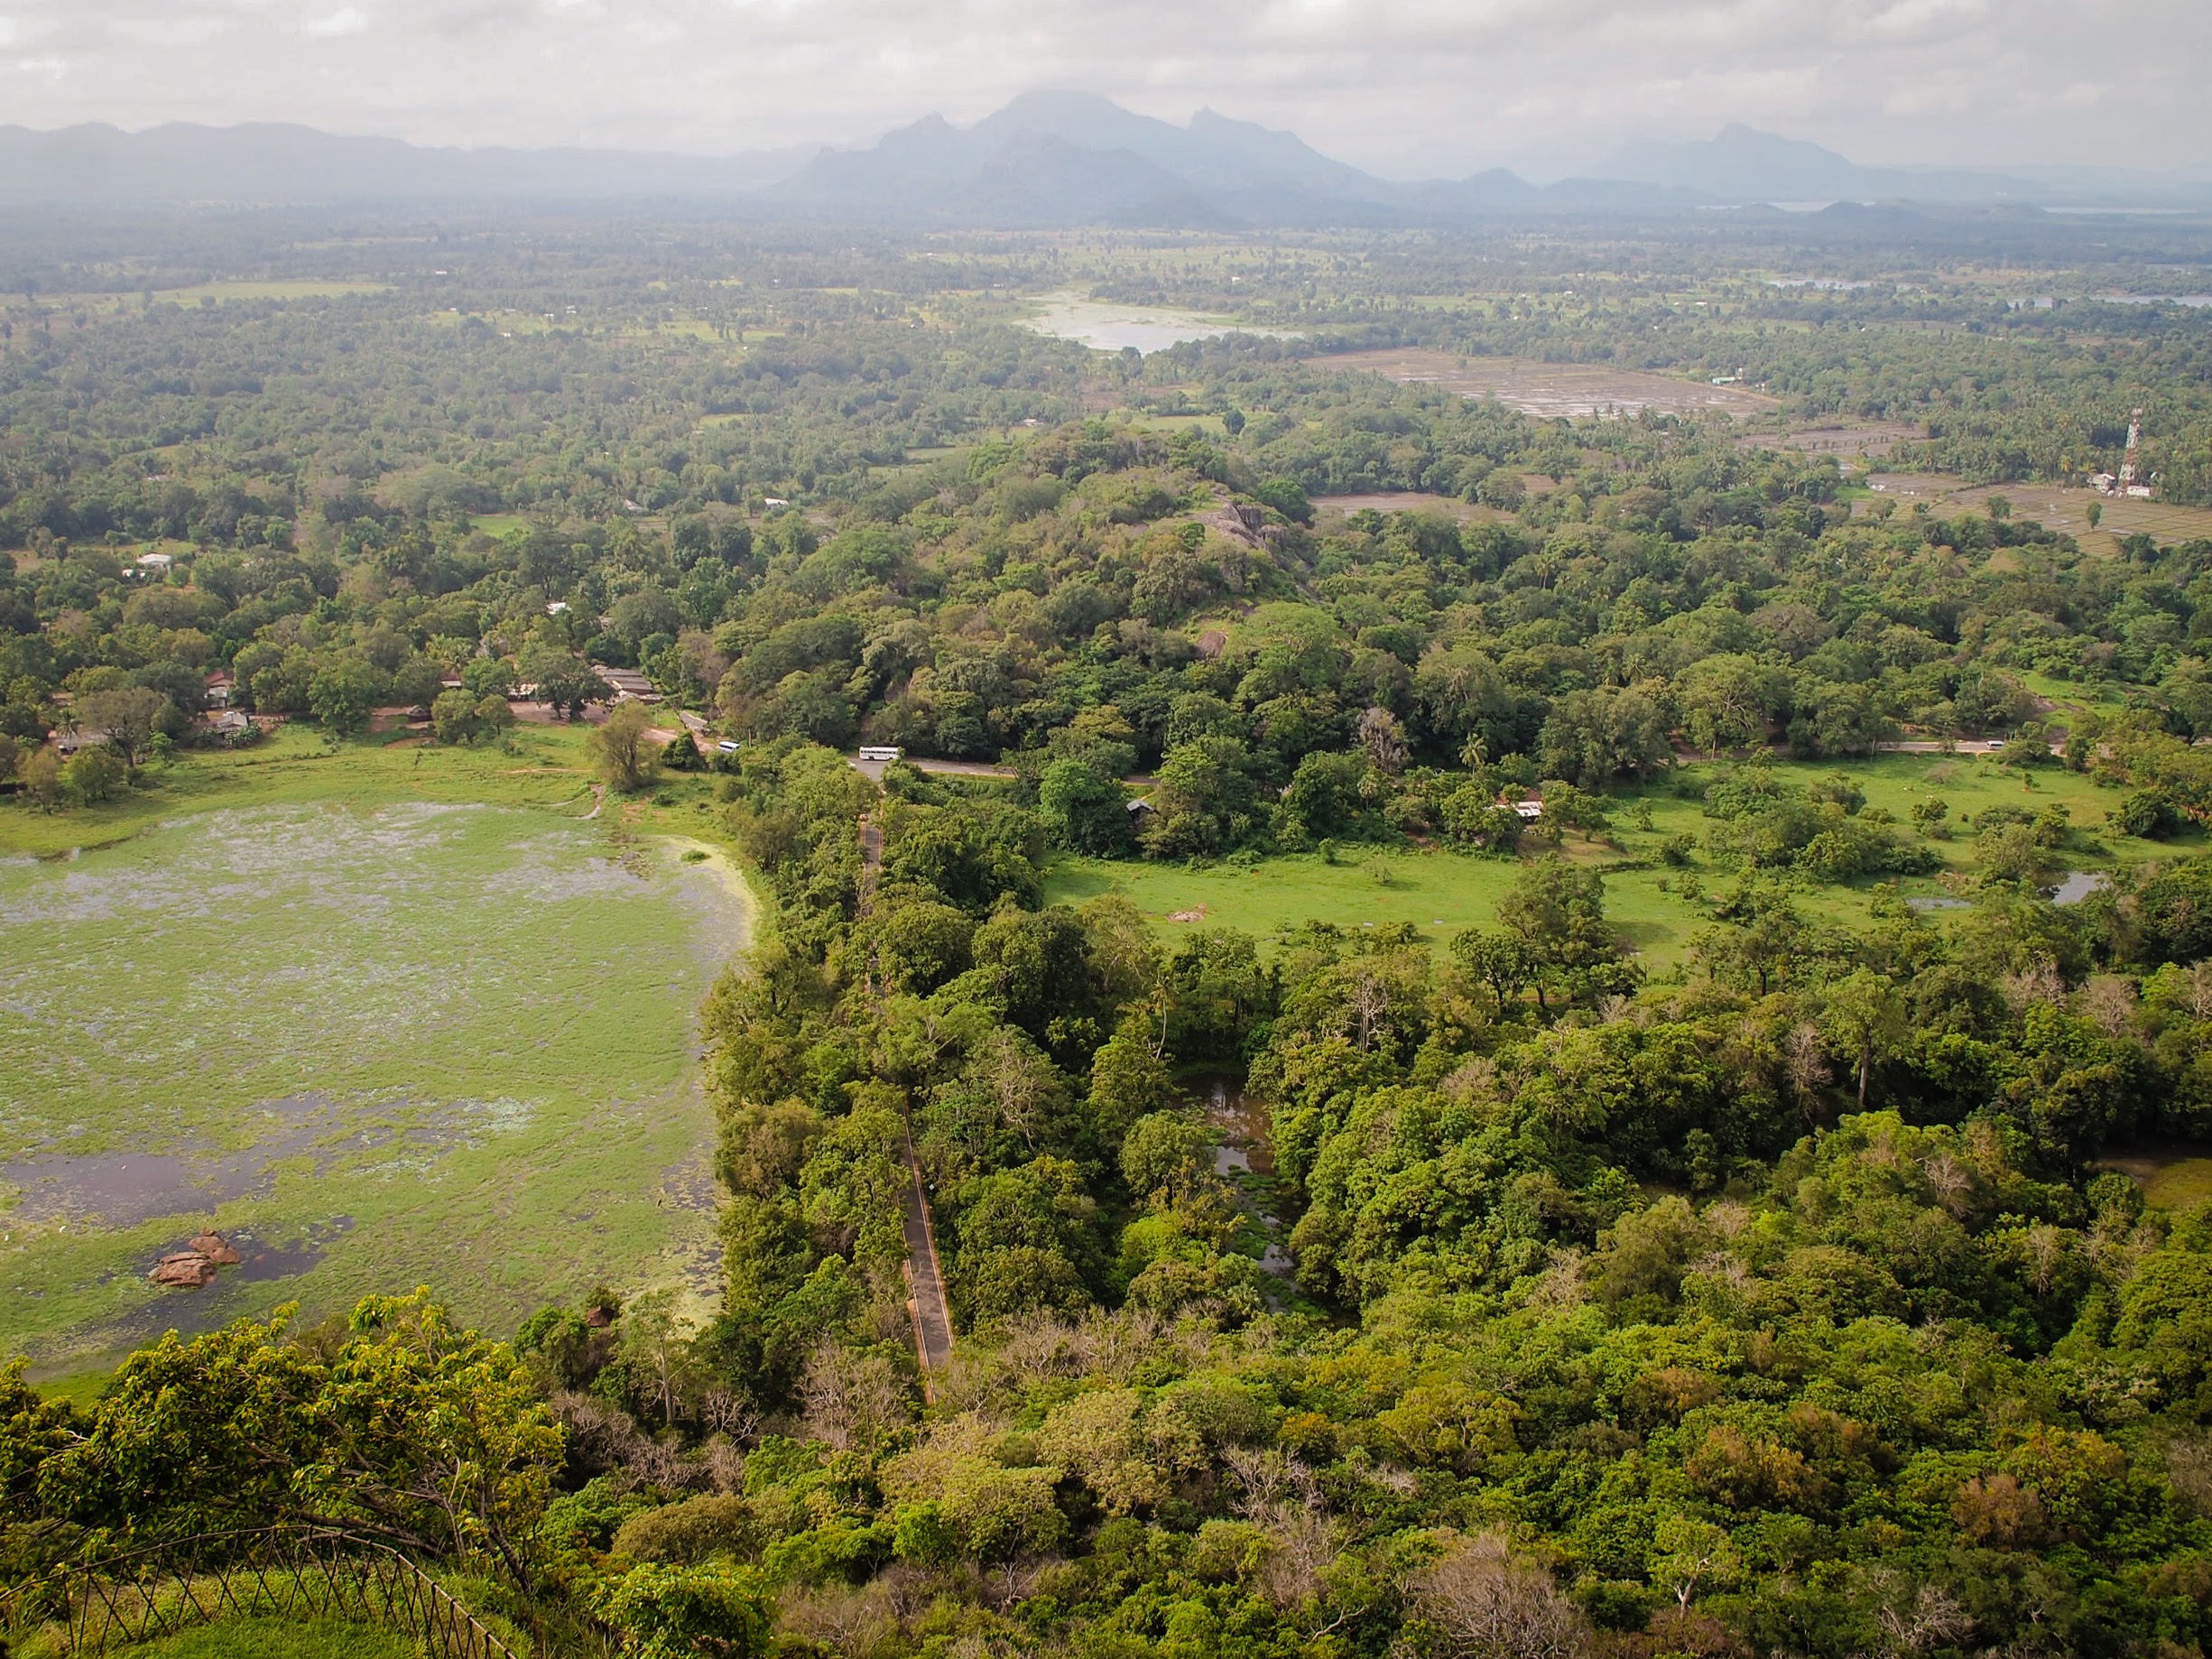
point(2188, 1470)
point(1283, 1498)
point(2045, 1247)
point(1953, 1182)
point(1482, 1601)
point(724, 1412)
point(1933, 1619)
point(1805, 1063)
point(850, 1399)
point(2039, 982)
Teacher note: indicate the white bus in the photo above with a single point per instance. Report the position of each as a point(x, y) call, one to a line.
point(881, 751)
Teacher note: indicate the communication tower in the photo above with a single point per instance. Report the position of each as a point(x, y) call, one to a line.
point(2134, 442)
point(2130, 479)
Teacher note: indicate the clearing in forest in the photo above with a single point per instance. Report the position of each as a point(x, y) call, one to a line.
point(1658, 908)
point(1409, 501)
point(1554, 390)
point(2048, 504)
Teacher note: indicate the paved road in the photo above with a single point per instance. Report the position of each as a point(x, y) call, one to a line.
point(932, 1316)
point(873, 770)
point(1961, 746)
point(1964, 746)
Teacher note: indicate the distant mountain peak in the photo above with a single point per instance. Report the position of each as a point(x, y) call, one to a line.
point(1073, 157)
point(1056, 100)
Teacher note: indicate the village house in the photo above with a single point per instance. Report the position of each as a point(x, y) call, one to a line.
point(626, 682)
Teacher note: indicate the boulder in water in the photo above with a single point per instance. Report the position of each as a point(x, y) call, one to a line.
point(184, 1270)
point(216, 1249)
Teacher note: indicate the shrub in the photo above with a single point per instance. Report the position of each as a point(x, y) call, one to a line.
point(693, 1530)
point(669, 1611)
point(93, 775)
point(2149, 813)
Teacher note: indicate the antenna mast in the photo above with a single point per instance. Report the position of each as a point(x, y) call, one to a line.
point(2129, 477)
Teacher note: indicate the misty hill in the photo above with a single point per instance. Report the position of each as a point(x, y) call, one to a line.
point(270, 162)
point(1067, 159)
point(1075, 158)
point(1046, 160)
point(1742, 165)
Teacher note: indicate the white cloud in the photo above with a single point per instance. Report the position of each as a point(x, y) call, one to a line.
point(1918, 21)
point(345, 21)
point(182, 29)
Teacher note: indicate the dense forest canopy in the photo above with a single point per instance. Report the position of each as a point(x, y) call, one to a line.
point(1786, 1301)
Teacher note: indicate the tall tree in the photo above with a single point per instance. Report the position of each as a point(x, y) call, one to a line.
point(1867, 1017)
point(1558, 911)
point(625, 756)
point(130, 715)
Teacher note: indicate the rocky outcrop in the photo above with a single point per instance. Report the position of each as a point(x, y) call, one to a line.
point(196, 1264)
point(216, 1249)
point(184, 1270)
point(1241, 523)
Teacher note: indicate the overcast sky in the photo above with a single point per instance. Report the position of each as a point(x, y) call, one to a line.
point(1409, 88)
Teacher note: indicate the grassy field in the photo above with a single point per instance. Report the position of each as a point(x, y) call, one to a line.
point(1552, 390)
point(1411, 501)
point(285, 290)
point(1210, 426)
point(2170, 1178)
point(499, 523)
point(1440, 892)
point(279, 1638)
point(2056, 508)
point(386, 1017)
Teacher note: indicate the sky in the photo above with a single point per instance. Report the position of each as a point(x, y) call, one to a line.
point(1406, 87)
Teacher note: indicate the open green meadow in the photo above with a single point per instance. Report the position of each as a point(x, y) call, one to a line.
point(387, 1017)
point(278, 1638)
point(1440, 891)
point(2172, 1177)
point(306, 289)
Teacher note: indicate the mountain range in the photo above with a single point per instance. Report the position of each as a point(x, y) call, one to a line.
point(1046, 160)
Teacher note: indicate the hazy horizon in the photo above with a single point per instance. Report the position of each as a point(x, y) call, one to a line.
point(1404, 87)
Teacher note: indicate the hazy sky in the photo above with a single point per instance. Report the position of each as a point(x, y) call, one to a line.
point(1406, 87)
